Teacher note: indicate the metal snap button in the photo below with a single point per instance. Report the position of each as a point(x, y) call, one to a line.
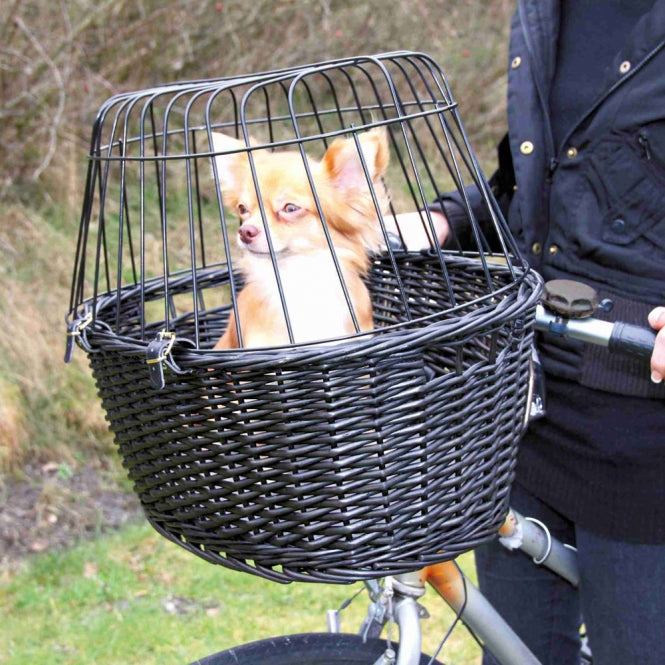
point(553, 249)
point(572, 152)
point(526, 147)
point(618, 226)
point(536, 248)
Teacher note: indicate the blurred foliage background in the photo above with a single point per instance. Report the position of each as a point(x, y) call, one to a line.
point(59, 477)
point(59, 60)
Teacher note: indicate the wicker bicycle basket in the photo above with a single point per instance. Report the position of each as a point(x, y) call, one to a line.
point(348, 457)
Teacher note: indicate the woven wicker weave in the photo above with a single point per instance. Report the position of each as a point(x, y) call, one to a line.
point(330, 463)
point(377, 454)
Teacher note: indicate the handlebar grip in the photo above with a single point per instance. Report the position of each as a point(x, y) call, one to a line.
point(633, 340)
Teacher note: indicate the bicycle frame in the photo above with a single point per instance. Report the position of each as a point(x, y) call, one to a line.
point(402, 591)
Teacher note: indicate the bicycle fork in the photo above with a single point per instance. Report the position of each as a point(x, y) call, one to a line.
point(533, 538)
point(397, 601)
point(465, 600)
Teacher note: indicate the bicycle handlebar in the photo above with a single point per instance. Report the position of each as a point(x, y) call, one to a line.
point(631, 339)
point(618, 337)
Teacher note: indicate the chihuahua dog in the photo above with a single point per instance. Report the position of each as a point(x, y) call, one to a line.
point(296, 241)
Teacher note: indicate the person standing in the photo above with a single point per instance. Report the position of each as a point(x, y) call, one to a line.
point(581, 180)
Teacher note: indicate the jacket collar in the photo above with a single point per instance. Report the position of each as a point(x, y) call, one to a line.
point(647, 36)
point(539, 20)
point(539, 23)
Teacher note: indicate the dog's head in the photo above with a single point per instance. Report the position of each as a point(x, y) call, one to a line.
point(284, 197)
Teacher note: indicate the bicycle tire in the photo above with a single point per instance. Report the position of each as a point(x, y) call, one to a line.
point(305, 649)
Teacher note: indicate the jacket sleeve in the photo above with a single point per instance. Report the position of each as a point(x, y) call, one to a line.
point(454, 206)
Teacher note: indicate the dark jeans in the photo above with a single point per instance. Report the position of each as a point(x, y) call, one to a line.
point(621, 595)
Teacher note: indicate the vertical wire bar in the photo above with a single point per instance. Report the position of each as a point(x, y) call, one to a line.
point(101, 239)
point(268, 118)
point(498, 222)
point(101, 182)
point(169, 306)
point(398, 152)
point(401, 115)
point(142, 157)
point(354, 92)
point(467, 205)
point(497, 219)
point(123, 193)
point(418, 102)
point(199, 208)
point(436, 247)
point(123, 216)
point(199, 203)
point(77, 291)
point(236, 117)
point(315, 111)
point(121, 225)
point(132, 257)
point(391, 254)
point(335, 99)
point(220, 202)
point(147, 111)
point(441, 151)
point(421, 106)
point(158, 178)
point(317, 202)
point(163, 216)
point(361, 112)
point(264, 218)
point(190, 219)
point(102, 245)
point(421, 192)
point(450, 105)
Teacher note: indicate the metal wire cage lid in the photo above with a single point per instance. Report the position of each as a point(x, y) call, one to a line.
point(380, 448)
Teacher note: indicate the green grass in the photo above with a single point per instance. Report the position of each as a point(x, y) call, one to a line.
point(111, 601)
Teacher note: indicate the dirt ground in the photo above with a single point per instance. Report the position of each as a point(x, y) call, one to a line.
point(50, 507)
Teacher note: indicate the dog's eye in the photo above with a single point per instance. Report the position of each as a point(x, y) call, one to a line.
point(291, 207)
point(242, 209)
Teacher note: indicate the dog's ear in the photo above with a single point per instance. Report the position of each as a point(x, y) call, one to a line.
point(232, 166)
point(342, 159)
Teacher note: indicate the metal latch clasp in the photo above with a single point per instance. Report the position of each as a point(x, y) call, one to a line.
point(157, 352)
point(74, 330)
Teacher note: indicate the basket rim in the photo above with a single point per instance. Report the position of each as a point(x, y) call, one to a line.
point(96, 303)
point(470, 319)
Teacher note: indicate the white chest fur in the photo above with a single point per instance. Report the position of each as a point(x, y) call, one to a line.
point(313, 293)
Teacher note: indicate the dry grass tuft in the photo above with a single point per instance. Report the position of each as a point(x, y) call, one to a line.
point(44, 408)
point(13, 434)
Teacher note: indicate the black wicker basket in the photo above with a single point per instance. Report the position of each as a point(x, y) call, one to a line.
point(379, 453)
